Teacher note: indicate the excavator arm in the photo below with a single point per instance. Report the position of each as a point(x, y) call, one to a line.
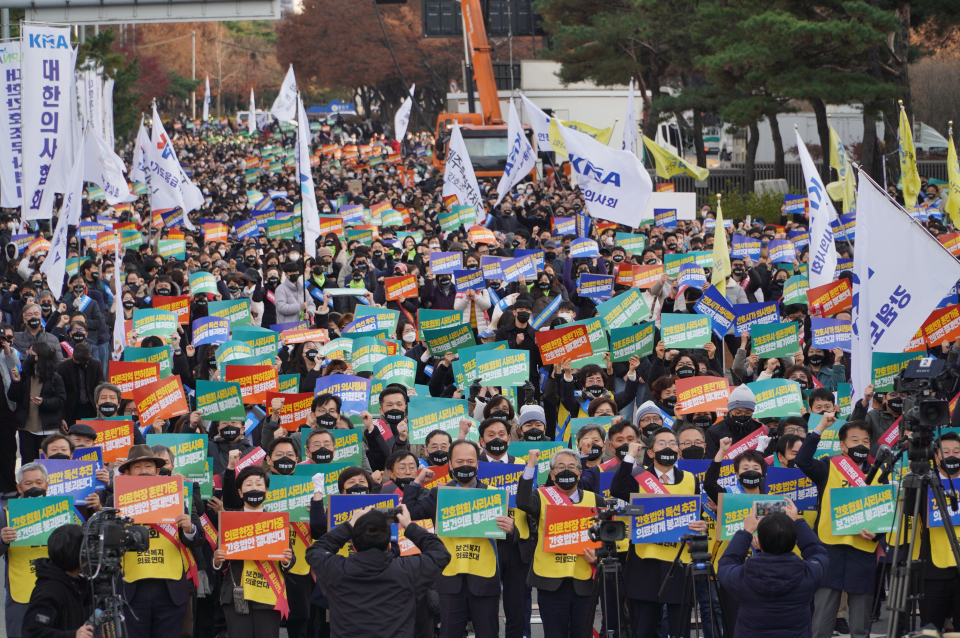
point(481, 61)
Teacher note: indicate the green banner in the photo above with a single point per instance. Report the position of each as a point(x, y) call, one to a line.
point(330, 471)
point(337, 349)
point(684, 331)
point(426, 414)
point(734, 509)
point(844, 401)
point(596, 330)
point(367, 351)
point(625, 309)
point(575, 424)
point(774, 339)
point(470, 513)
point(395, 369)
point(237, 311)
point(886, 366)
point(349, 446)
point(260, 340)
point(503, 368)
point(829, 439)
point(433, 319)
point(34, 519)
point(672, 263)
point(289, 383)
point(232, 350)
point(147, 322)
point(292, 494)
point(795, 290)
point(159, 355)
point(776, 398)
point(631, 341)
point(633, 244)
point(189, 452)
point(220, 401)
point(130, 239)
point(172, 248)
point(281, 229)
point(443, 340)
point(203, 282)
point(465, 368)
point(521, 450)
point(386, 319)
point(852, 509)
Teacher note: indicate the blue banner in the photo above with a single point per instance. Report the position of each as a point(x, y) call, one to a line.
point(665, 519)
point(746, 247)
point(210, 330)
point(800, 238)
point(828, 334)
point(502, 476)
point(71, 478)
point(749, 314)
point(584, 248)
point(691, 275)
point(247, 228)
point(665, 217)
point(792, 483)
point(715, 305)
point(595, 286)
point(445, 263)
point(469, 280)
point(538, 258)
point(781, 251)
point(354, 392)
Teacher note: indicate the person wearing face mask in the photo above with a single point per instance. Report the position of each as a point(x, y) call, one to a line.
point(229, 438)
point(33, 332)
point(470, 586)
point(564, 582)
point(827, 366)
point(401, 470)
point(282, 457)
point(106, 398)
point(407, 307)
point(533, 424)
point(40, 396)
point(494, 436)
point(546, 291)
point(619, 438)
point(590, 439)
point(881, 419)
point(81, 375)
point(648, 564)
point(80, 299)
point(692, 439)
point(439, 290)
point(650, 418)
point(520, 335)
point(388, 434)
point(291, 299)
point(786, 452)
point(593, 381)
point(738, 423)
point(436, 451)
point(271, 282)
point(475, 306)
point(853, 558)
point(49, 310)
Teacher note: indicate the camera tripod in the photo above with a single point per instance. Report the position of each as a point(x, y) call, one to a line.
point(699, 569)
point(608, 581)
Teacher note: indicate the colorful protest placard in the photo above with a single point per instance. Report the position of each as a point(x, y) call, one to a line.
point(844, 401)
point(776, 398)
point(446, 263)
point(515, 268)
point(794, 204)
point(189, 453)
point(354, 392)
point(935, 516)
point(565, 342)
point(547, 449)
point(502, 368)
point(665, 519)
point(465, 368)
point(538, 256)
point(469, 280)
point(781, 251)
point(154, 322)
point(176, 248)
point(425, 414)
point(942, 324)
point(231, 351)
point(774, 339)
point(563, 225)
point(294, 336)
point(295, 408)
point(254, 535)
point(713, 304)
point(180, 306)
point(830, 333)
point(281, 228)
point(792, 483)
point(344, 506)
point(684, 331)
point(733, 510)
point(852, 509)
point(128, 375)
point(443, 340)
point(595, 286)
point(163, 399)
point(260, 340)
point(646, 276)
point(113, 437)
point(255, 381)
point(385, 319)
point(290, 494)
point(886, 366)
point(631, 341)
point(34, 519)
point(583, 247)
point(746, 247)
point(829, 299)
point(289, 383)
point(203, 282)
point(800, 238)
point(749, 314)
point(795, 290)
point(665, 217)
point(76, 478)
point(149, 500)
point(470, 513)
point(505, 476)
point(567, 529)
point(691, 276)
point(633, 244)
point(950, 241)
point(625, 309)
point(237, 311)
point(349, 446)
point(367, 351)
point(432, 319)
point(829, 439)
point(701, 394)
point(400, 288)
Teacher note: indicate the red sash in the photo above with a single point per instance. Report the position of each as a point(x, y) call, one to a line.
point(212, 534)
point(271, 573)
point(892, 434)
point(609, 465)
point(953, 403)
point(254, 457)
point(391, 488)
point(169, 532)
point(649, 483)
point(406, 313)
point(385, 430)
point(749, 442)
point(849, 470)
point(554, 496)
point(302, 530)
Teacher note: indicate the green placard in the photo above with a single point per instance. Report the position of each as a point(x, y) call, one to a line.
point(433, 319)
point(367, 351)
point(260, 340)
point(147, 322)
point(426, 414)
point(189, 453)
point(220, 401)
point(852, 509)
point(829, 442)
point(521, 449)
point(206, 483)
point(386, 319)
point(684, 331)
point(734, 509)
point(395, 369)
point(594, 359)
point(465, 368)
point(625, 309)
point(281, 228)
point(633, 244)
point(36, 518)
point(372, 334)
point(203, 282)
point(330, 471)
point(232, 350)
point(470, 513)
point(774, 339)
point(337, 349)
point(844, 401)
point(503, 368)
point(237, 311)
point(172, 248)
point(349, 446)
point(291, 494)
point(159, 355)
point(575, 424)
point(260, 360)
point(73, 266)
point(130, 239)
point(672, 263)
point(289, 383)
point(776, 398)
point(365, 237)
point(596, 331)
point(795, 290)
point(888, 365)
point(631, 341)
point(443, 340)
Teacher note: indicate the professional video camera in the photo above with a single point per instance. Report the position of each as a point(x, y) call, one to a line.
point(607, 530)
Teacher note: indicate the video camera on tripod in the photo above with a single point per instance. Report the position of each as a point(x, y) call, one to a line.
point(606, 529)
point(922, 380)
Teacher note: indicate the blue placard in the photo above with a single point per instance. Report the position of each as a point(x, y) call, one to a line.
point(90, 230)
point(595, 286)
point(830, 333)
point(469, 280)
point(293, 325)
point(792, 483)
point(749, 314)
point(492, 267)
point(713, 304)
point(354, 392)
point(950, 299)
point(691, 275)
point(538, 255)
point(800, 238)
point(363, 324)
point(564, 226)
point(665, 217)
point(934, 516)
point(210, 330)
point(781, 251)
point(795, 204)
point(94, 454)
point(746, 247)
point(665, 519)
point(514, 268)
point(445, 263)
point(247, 228)
point(71, 478)
point(340, 504)
point(584, 248)
point(844, 229)
point(172, 218)
point(502, 476)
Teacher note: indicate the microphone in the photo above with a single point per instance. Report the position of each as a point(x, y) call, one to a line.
point(884, 455)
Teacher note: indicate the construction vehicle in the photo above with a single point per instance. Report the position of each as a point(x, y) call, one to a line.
point(485, 133)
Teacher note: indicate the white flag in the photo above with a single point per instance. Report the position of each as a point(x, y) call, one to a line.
point(520, 157)
point(47, 71)
point(459, 178)
point(108, 134)
point(55, 265)
point(105, 168)
point(902, 273)
point(119, 329)
point(402, 119)
point(252, 115)
point(285, 106)
point(167, 184)
point(630, 125)
point(138, 171)
point(308, 196)
point(614, 183)
point(11, 132)
point(206, 100)
point(823, 255)
point(540, 122)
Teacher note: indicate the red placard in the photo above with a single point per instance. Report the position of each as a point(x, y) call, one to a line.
point(254, 535)
point(177, 305)
point(128, 375)
point(701, 394)
point(113, 437)
point(624, 274)
point(917, 344)
point(749, 442)
point(295, 409)
point(646, 276)
point(450, 200)
point(829, 299)
point(255, 381)
point(666, 187)
point(570, 342)
point(379, 208)
point(253, 457)
point(952, 243)
point(331, 225)
point(149, 500)
point(300, 336)
point(481, 235)
point(441, 476)
point(943, 323)
point(566, 531)
point(399, 288)
point(162, 399)
point(407, 548)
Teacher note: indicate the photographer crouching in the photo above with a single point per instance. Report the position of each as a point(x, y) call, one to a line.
point(59, 604)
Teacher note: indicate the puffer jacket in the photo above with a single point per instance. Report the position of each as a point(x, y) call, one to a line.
point(287, 299)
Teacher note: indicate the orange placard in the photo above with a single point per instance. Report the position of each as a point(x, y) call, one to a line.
point(295, 409)
point(943, 323)
point(379, 208)
point(407, 548)
point(570, 342)
point(917, 344)
point(149, 500)
point(331, 225)
point(625, 274)
point(372, 227)
point(124, 226)
point(129, 375)
point(178, 305)
point(175, 234)
point(113, 437)
point(566, 531)
point(215, 231)
point(162, 399)
point(666, 187)
point(300, 336)
point(450, 200)
point(255, 381)
point(254, 535)
point(481, 235)
point(401, 288)
point(701, 394)
point(646, 276)
point(108, 242)
point(829, 299)
point(951, 242)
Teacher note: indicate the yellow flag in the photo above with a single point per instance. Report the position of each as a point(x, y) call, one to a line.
point(669, 164)
point(845, 188)
point(556, 139)
point(952, 205)
point(721, 256)
point(909, 177)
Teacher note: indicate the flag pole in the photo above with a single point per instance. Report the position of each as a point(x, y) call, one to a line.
point(303, 226)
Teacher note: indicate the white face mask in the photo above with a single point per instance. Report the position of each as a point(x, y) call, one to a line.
point(566, 317)
point(294, 256)
point(608, 241)
point(409, 337)
point(433, 247)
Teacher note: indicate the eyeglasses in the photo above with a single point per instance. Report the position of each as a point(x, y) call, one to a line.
point(798, 378)
point(650, 418)
point(560, 467)
point(794, 430)
point(695, 442)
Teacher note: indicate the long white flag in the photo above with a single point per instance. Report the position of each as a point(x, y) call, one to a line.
point(11, 131)
point(823, 255)
point(46, 71)
point(520, 157)
point(459, 178)
point(138, 170)
point(108, 133)
point(540, 122)
point(167, 184)
point(55, 265)
point(104, 167)
point(630, 125)
point(119, 329)
point(206, 99)
point(310, 212)
point(252, 115)
point(285, 106)
point(614, 183)
point(402, 119)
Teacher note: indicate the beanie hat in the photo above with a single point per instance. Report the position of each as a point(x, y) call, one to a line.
point(532, 413)
point(648, 407)
point(742, 397)
point(324, 252)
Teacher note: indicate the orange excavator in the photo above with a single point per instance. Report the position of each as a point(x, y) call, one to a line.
point(485, 133)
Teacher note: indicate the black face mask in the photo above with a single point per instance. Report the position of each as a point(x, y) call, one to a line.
point(254, 498)
point(950, 464)
point(163, 292)
point(312, 354)
point(78, 290)
point(164, 471)
point(358, 489)
point(322, 455)
point(792, 463)
point(693, 453)
point(750, 479)
point(815, 359)
point(230, 433)
point(738, 423)
point(108, 409)
point(533, 434)
point(596, 452)
point(859, 453)
point(618, 258)
point(357, 277)
point(566, 480)
point(544, 285)
point(594, 391)
point(669, 402)
point(685, 372)
point(34, 492)
point(738, 272)
point(523, 317)
point(327, 421)
point(129, 304)
point(59, 457)
point(550, 255)
point(703, 422)
point(251, 259)
point(233, 290)
point(393, 417)
point(495, 285)
point(284, 465)
point(666, 456)
point(622, 451)
point(45, 308)
point(895, 405)
point(33, 323)
point(464, 473)
point(438, 458)
point(78, 337)
point(272, 281)
point(496, 446)
point(293, 277)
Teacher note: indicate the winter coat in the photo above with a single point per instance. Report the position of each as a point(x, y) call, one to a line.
point(288, 298)
point(58, 605)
